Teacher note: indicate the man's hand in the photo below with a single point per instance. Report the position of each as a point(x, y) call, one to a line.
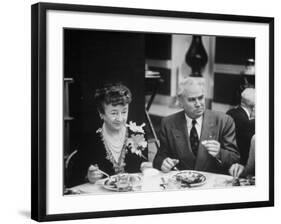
point(212, 146)
point(168, 164)
point(236, 169)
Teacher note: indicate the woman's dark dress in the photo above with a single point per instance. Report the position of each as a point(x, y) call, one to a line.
point(93, 152)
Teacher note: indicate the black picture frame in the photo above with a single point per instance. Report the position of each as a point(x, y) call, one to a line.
point(39, 109)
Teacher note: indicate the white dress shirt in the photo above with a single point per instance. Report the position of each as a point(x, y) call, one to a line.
point(198, 125)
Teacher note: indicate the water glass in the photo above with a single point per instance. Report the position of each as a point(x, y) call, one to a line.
point(173, 184)
point(123, 182)
point(136, 182)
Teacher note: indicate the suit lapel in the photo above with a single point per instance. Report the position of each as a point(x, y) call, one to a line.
point(182, 142)
point(208, 125)
point(208, 128)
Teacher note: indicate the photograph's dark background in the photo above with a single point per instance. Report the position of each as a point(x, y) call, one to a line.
point(92, 58)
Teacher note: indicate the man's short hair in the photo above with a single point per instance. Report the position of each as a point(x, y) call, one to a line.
point(248, 97)
point(190, 82)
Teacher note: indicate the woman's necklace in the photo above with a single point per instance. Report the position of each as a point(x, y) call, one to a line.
point(115, 150)
point(114, 142)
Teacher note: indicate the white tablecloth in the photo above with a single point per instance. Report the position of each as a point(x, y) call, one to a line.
point(153, 183)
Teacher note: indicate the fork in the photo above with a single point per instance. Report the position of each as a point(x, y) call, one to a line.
point(106, 174)
point(175, 168)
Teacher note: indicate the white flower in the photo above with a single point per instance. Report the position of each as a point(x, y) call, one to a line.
point(133, 127)
point(143, 144)
point(138, 152)
point(136, 143)
point(131, 145)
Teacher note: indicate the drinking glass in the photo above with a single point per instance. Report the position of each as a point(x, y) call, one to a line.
point(136, 182)
point(209, 137)
point(123, 182)
point(173, 183)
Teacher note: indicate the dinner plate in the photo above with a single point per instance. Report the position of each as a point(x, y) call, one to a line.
point(190, 178)
point(110, 183)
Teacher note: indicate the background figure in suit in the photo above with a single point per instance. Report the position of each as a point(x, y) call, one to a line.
point(237, 170)
point(196, 138)
point(243, 117)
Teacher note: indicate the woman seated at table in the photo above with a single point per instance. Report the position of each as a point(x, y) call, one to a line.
point(237, 170)
point(117, 146)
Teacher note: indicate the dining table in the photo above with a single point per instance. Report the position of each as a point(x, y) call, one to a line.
point(155, 180)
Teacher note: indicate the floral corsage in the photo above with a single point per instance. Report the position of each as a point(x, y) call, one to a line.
point(136, 142)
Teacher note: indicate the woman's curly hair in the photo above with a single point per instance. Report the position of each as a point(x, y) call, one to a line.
point(112, 93)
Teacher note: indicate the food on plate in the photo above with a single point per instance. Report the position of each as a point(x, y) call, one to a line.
point(112, 181)
point(121, 182)
point(190, 178)
point(250, 180)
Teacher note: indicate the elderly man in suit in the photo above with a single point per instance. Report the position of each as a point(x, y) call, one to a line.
point(243, 117)
point(196, 138)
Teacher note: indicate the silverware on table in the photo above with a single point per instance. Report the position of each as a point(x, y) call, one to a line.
point(106, 174)
point(164, 183)
point(175, 168)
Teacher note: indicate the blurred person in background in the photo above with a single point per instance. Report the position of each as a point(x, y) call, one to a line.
point(244, 119)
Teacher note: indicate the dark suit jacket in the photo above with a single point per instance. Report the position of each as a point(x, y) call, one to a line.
point(250, 165)
point(245, 130)
point(174, 143)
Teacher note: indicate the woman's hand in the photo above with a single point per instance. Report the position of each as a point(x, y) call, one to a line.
point(236, 169)
point(94, 174)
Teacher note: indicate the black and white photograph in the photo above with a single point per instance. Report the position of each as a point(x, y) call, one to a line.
point(157, 112)
point(142, 112)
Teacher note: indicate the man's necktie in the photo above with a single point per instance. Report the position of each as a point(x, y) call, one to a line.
point(194, 140)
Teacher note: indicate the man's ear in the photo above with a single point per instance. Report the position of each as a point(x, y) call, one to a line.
point(180, 101)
